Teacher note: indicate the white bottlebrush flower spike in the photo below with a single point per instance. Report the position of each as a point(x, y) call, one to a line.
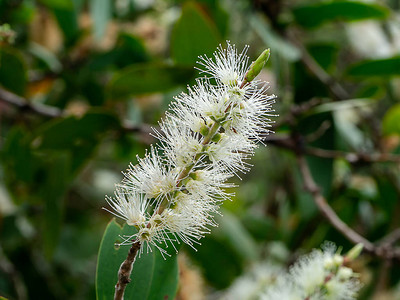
point(208, 135)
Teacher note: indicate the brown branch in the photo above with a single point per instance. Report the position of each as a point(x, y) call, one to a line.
point(333, 85)
point(54, 112)
point(353, 157)
point(23, 104)
point(384, 249)
point(327, 211)
point(390, 238)
point(125, 270)
point(297, 145)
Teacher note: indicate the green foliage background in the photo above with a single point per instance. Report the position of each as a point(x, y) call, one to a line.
point(83, 82)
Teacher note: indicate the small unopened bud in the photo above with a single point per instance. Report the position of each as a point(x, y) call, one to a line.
point(338, 259)
point(328, 263)
point(354, 252)
point(197, 175)
point(204, 130)
point(156, 220)
point(344, 273)
point(144, 234)
point(7, 35)
point(217, 137)
point(257, 66)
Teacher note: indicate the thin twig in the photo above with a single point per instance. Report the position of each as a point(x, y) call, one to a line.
point(327, 211)
point(384, 250)
point(290, 143)
point(54, 112)
point(23, 104)
point(337, 91)
point(125, 270)
point(353, 157)
point(390, 238)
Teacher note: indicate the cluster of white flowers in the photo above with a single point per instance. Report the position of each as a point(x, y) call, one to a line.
point(206, 138)
point(320, 275)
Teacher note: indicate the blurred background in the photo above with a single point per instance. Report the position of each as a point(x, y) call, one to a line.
point(82, 83)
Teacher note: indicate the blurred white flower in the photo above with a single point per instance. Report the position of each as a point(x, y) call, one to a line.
point(369, 39)
point(318, 275)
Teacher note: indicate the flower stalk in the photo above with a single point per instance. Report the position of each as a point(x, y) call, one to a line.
point(125, 270)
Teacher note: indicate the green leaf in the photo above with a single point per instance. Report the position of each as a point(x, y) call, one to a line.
point(12, 71)
point(80, 136)
point(271, 39)
point(321, 168)
point(219, 263)
point(147, 78)
point(224, 254)
point(391, 121)
point(316, 14)
point(237, 236)
point(325, 55)
point(61, 4)
point(165, 277)
point(100, 11)
point(46, 56)
point(194, 34)
point(23, 15)
point(63, 133)
point(52, 192)
point(152, 276)
point(375, 68)
point(128, 50)
point(372, 90)
point(67, 18)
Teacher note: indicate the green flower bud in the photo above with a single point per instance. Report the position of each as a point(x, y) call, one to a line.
point(354, 252)
point(204, 130)
point(217, 137)
point(257, 66)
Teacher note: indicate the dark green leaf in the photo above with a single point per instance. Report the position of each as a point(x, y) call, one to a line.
point(12, 71)
point(80, 136)
point(67, 19)
point(279, 46)
point(23, 15)
point(52, 193)
point(315, 14)
point(325, 55)
point(64, 133)
point(225, 252)
point(376, 68)
point(218, 262)
point(61, 4)
point(152, 276)
point(17, 160)
point(164, 284)
point(194, 34)
point(142, 79)
point(237, 236)
point(128, 50)
point(372, 91)
point(321, 168)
